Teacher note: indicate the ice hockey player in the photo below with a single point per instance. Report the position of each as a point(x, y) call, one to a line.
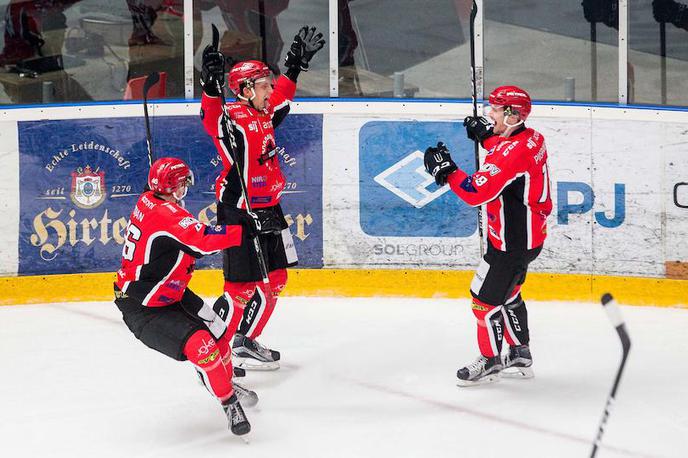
point(259, 108)
point(513, 183)
point(162, 243)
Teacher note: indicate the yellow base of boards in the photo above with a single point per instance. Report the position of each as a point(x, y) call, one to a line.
point(367, 283)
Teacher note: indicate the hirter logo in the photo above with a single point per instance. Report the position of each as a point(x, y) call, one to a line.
point(88, 187)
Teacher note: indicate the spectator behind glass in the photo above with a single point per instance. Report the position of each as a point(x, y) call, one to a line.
point(156, 42)
point(34, 35)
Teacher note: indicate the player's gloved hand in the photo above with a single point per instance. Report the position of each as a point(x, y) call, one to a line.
point(271, 222)
point(212, 71)
point(250, 223)
point(478, 128)
point(306, 43)
point(439, 163)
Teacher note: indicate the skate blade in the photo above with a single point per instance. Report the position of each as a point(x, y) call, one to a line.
point(249, 401)
point(246, 438)
point(252, 365)
point(518, 373)
point(492, 378)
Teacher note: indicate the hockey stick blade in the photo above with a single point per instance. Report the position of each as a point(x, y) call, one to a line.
point(614, 314)
point(216, 38)
point(617, 321)
point(151, 81)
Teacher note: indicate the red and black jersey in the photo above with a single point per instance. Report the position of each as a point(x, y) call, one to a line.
point(514, 183)
point(162, 244)
point(254, 133)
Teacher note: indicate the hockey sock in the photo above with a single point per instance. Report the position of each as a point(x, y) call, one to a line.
point(202, 351)
point(224, 344)
point(489, 327)
point(278, 280)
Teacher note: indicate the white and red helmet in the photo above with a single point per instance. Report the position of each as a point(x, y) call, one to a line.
point(512, 97)
point(247, 72)
point(168, 174)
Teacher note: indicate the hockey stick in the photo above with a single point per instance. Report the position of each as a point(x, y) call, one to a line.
point(474, 97)
point(226, 123)
point(615, 317)
point(593, 61)
point(151, 81)
point(662, 66)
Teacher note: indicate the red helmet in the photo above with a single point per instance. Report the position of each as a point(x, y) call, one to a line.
point(167, 174)
point(514, 97)
point(243, 72)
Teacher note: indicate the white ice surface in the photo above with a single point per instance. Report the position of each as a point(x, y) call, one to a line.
point(360, 378)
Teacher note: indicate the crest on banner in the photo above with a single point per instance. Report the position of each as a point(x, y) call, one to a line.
point(88, 187)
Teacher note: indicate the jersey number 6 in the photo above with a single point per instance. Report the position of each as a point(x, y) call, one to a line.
point(133, 234)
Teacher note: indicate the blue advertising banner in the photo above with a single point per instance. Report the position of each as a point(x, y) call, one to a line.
point(80, 179)
point(398, 198)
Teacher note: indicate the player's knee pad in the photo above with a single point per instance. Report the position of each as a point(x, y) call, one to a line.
point(223, 308)
point(202, 350)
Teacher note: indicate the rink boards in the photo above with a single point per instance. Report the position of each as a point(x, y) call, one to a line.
point(366, 219)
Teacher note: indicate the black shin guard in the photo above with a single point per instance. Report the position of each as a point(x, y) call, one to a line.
point(516, 315)
point(254, 308)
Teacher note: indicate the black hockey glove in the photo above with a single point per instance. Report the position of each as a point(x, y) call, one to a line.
point(478, 128)
point(212, 71)
point(306, 43)
point(250, 223)
point(271, 221)
point(439, 163)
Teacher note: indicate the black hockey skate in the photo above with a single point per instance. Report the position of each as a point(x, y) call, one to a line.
point(517, 363)
point(248, 354)
point(238, 423)
point(483, 370)
point(247, 397)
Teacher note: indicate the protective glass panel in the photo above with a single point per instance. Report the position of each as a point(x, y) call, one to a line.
point(262, 30)
point(404, 48)
point(76, 51)
point(554, 49)
point(658, 52)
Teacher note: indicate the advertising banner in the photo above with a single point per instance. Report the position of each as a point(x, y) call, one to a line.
point(80, 179)
point(608, 189)
point(384, 210)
